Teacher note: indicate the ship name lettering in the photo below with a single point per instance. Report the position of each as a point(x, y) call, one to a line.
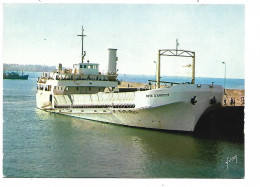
point(158, 95)
point(161, 95)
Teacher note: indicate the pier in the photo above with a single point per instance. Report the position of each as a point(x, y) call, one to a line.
point(234, 98)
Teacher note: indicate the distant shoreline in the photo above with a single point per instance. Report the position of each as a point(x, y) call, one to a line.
point(27, 67)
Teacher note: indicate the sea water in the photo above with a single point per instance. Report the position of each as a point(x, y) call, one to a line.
point(41, 144)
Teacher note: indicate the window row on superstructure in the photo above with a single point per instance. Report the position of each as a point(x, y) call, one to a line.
point(88, 66)
point(44, 87)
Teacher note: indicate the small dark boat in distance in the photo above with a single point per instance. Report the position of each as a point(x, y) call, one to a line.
point(14, 75)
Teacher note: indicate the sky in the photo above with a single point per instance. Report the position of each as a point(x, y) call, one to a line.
point(46, 34)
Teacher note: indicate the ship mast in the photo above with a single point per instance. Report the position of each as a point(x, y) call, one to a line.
point(83, 53)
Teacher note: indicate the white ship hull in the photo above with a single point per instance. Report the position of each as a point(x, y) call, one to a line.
point(165, 108)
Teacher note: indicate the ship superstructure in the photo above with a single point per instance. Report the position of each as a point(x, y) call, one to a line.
point(86, 93)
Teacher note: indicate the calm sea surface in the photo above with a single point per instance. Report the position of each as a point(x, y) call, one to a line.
point(40, 144)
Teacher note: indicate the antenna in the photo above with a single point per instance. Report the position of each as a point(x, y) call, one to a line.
point(82, 36)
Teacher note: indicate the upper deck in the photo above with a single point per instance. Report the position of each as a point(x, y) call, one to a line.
point(80, 72)
point(83, 78)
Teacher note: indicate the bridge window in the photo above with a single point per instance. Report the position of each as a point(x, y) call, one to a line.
point(80, 66)
point(85, 66)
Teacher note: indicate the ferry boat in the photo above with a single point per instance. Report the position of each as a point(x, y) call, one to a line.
point(84, 92)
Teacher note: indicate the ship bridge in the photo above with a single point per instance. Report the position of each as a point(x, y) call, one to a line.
point(86, 68)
